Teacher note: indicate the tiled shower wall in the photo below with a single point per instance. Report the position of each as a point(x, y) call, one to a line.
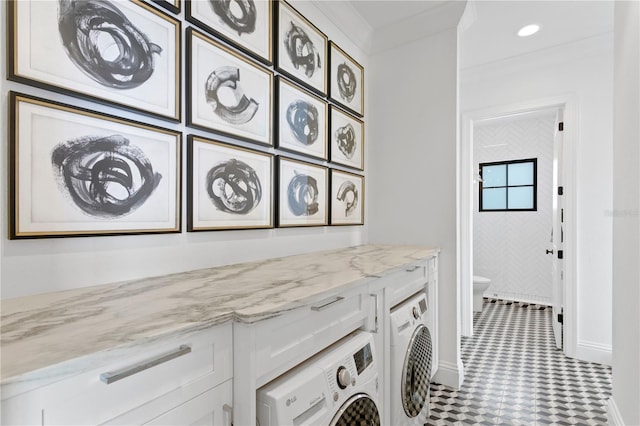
point(509, 247)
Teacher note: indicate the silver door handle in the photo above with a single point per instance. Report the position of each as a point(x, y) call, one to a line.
point(325, 305)
point(113, 376)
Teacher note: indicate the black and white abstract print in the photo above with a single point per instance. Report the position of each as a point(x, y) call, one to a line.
point(302, 195)
point(242, 109)
point(348, 196)
point(302, 53)
point(345, 137)
point(230, 187)
point(303, 121)
point(80, 172)
point(105, 176)
point(347, 84)
point(239, 15)
point(228, 93)
point(234, 187)
point(102, 42)
point(301, 49)
point(346, 80)
point(247, 24)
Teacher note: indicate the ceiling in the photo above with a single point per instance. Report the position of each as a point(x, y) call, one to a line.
point(489, 27)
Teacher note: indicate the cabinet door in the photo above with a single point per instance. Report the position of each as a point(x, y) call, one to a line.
point(212, 408)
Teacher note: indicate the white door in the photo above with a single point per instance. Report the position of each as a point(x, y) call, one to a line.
point(557, 234)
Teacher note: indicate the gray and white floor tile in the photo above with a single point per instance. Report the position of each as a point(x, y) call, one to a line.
point(515, 375)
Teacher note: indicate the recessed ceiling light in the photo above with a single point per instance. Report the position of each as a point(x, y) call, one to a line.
point(528, 30)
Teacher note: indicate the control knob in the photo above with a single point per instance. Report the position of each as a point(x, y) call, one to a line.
point(416, 313)
point(343, 377)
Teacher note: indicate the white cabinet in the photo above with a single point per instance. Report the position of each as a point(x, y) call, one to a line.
point(266, 349)
point(210, 377)
point(284, 341)
point(152, 380)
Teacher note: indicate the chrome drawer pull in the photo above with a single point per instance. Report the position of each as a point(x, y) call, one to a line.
point(321, 307)
point(114, 376)
point(412, 268)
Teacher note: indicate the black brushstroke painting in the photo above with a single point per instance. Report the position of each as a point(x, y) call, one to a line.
point(104, 44)
point(348, 194)
point(228, 77)
point(302, 195)
point(234, 187)
point(239, 15)
point(346, 140)
point(302, 118)
point(106, 177)
point(346, 82)
point(301, 50)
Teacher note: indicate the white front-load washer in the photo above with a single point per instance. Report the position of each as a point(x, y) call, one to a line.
point(338, 386)
point(411, 358)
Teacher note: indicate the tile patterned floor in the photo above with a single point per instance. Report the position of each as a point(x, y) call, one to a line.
point(514, 375)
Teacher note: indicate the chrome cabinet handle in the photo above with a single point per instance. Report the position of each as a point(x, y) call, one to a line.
point(375, 318)
point(412, 268)
point(113, 376)
point(325, 305)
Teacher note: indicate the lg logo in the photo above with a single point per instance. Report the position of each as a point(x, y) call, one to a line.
point(291, 400)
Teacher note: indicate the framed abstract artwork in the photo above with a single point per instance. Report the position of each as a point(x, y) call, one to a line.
point(346, 137)
point(172, 5)
point(347, 198)
point(247, 24)
point(226, 92)
point(302, 193)
point(125, 53)
point(346, 81)
point(302, 121)
point(75, 172)
point(301, 49)
point(228, 187)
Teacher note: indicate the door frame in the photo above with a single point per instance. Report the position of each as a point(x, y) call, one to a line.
point(465, 208)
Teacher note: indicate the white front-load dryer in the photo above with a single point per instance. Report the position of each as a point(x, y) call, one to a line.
point(338, 386)
point(411, 357)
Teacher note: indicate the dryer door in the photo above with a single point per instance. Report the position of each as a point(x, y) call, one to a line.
point(416, 372)
point(358, 410)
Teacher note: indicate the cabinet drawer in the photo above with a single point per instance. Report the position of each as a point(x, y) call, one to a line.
point(152, 373)
point(212, 408)
point(405, 282)
point(285, 341)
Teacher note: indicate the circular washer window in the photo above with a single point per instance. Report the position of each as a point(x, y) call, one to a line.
point(359, 410)
point(416, 373)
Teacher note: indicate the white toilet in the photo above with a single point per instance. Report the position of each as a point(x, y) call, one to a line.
point(480, 284)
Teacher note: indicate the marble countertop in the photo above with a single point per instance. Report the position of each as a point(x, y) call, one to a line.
point(39, 332)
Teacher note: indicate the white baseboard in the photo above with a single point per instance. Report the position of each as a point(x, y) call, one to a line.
point(613, 414)
point(519, 297)
point(450, 374)
point(594, 352)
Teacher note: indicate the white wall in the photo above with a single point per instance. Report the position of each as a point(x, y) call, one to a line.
point(583, 71)
point(44, 265)
point(412, 142)
point(624, 406)
point(509, 247)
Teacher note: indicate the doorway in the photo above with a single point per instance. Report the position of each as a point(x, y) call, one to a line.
point(561, 275)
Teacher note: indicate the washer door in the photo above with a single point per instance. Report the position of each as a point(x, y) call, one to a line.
point(416, 372)
point(359, 410)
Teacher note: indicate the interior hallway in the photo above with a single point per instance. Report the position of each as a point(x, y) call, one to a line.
point(514, 375)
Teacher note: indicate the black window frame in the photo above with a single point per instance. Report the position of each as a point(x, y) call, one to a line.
point(507, 186)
